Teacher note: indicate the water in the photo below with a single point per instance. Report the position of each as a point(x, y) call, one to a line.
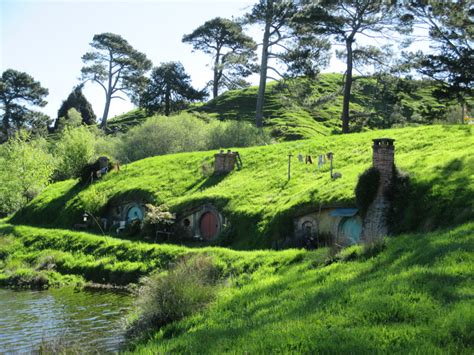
point(88, 320)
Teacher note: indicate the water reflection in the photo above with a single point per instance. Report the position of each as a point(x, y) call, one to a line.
point(89, 319)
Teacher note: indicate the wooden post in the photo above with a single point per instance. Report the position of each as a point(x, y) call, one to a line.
point(289, 166)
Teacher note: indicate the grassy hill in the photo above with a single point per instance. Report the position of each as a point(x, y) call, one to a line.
point(304, 109)
point(414, 293)
point(260, 201)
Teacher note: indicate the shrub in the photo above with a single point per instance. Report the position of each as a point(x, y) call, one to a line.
point(366, 189)
point(169, 296)
point(75, 149)
point(235, 134)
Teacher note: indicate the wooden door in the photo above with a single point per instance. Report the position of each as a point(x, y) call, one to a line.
point(209, 225)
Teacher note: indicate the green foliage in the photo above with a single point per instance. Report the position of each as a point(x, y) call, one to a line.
point(169, 90)
point(450, 29)
point(366, 189)
point(77, 101)
point(16, 90)
point(72, 119)
point(26, 168)
point(167, 297)
point(75, 149)
point(184, 133)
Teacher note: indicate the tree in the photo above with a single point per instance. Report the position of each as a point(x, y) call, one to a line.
point(17, 90)
point(78, 101)
point(274, 15)
point(25, 169)
point(116, 66)
point(343, 21)
point(72, 119)
point(282, 45)
point(169, 89)
point(451, 30)
point(232, 51)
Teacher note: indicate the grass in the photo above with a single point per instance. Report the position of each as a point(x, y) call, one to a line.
point(71, 257)
point(415, 296)
point(260, 201)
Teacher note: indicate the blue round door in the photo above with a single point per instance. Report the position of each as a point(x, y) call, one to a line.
point(134, 213)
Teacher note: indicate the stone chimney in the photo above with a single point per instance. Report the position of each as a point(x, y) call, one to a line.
point(375, 221)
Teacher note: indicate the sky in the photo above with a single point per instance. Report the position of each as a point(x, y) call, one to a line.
point(47, 39)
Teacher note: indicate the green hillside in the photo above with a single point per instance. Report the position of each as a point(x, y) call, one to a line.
point(412, 293)
point(304, 109)
point(260, 201)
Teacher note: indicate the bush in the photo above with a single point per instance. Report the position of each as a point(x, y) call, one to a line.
point(235, 134)
point(170, 296)
point(366, 189)
point(76, 149)
point(161, 135)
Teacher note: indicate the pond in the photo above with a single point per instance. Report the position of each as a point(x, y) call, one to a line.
point(89, 320)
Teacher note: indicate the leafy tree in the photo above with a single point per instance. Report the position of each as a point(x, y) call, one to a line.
point(25, 169)
point(116, 66)
point(17, 90)
point(75, 149)
point(232, 51)
point(344, 21)
point(169, 89)
point(300, 54)
point(72, 119)
point(78, 101)
point(451, 31)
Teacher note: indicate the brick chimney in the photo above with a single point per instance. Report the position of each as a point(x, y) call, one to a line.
point(375, 221)
point(383, 159)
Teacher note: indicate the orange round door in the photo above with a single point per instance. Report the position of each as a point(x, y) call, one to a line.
point(209, 225)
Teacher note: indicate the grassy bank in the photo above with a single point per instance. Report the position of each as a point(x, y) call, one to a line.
point(260, 201)
point(61, 257)
point(414, 296)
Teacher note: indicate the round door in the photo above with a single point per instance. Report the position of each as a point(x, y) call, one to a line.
point(209, 225)
point(350, 230)
point(134, 213)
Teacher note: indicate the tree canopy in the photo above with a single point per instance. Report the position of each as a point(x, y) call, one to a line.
point(233, 52)
point(169, 89)
point(344, 21)
point(78, 101)
point(299, 54)
point(451, 33)
point(18, 90)
point(116, 66)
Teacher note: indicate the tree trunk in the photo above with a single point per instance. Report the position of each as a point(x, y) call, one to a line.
point(167, 101)
point(103, 124)
point(263, 67)
point(347, 88)
point(215, 83)
point(108, 95)
point(6, 123)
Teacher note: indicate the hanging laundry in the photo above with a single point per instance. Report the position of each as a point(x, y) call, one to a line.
point(300, 157)
point(320, 161)
point(309, 160)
